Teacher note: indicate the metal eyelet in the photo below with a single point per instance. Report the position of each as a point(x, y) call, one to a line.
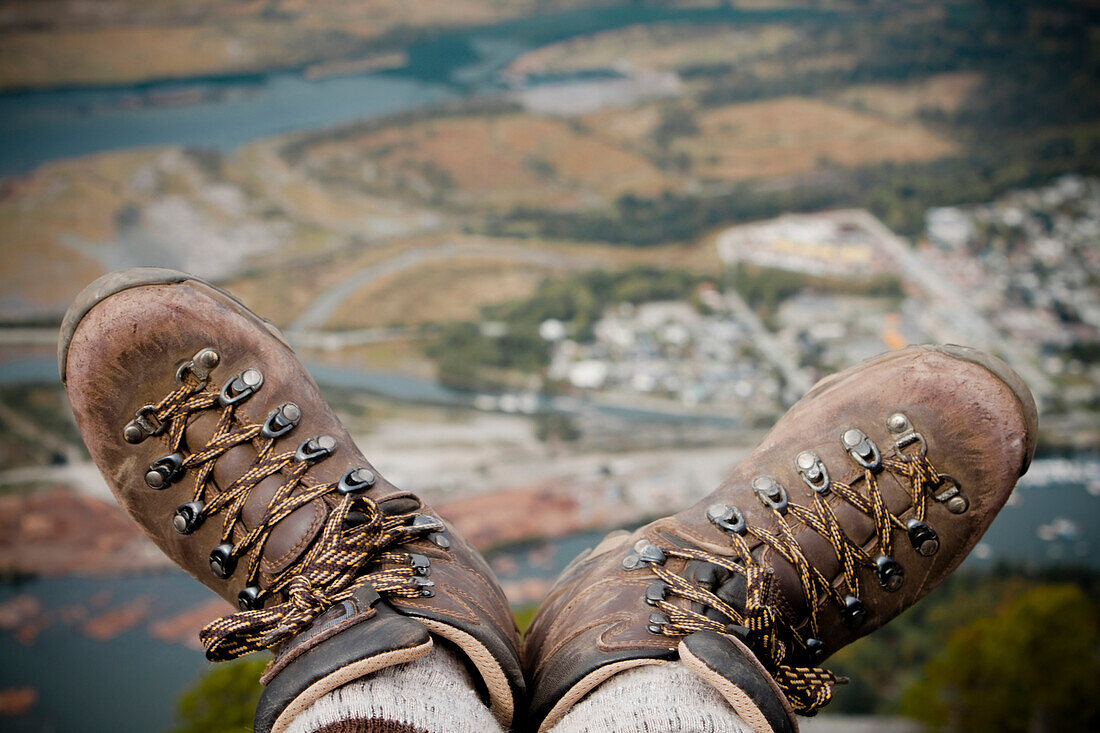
point(428, 521)
point(727, 518)
point(222, 562)
point(357, 479)
point(421, 564)
point(656, 622)
point(770, 493)
point(249, 599)
point(815, 648)
point(282, 420)
point(905, 436)
point(426, 586)
point(922, 537)
point(854, 613)
point(165, 471)
point(241, 387)
point(952, 497)
point(890, 573)
point(643, 552)
point(314, 449)
point(861, 448)
point(649, 552)
point(439, 537)
point(657, 591)
point(813, 471)
point(145, 424)
point(188, 517)
point(200, 365)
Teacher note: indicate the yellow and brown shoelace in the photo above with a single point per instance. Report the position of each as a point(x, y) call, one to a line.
point(354, 546)
point(759, 623)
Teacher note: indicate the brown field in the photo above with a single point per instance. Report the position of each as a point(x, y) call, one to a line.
point(454, 288)
point(279, 234)
point(281, 293)
point(475, 271)
point(133, 40)
point(439, 291)
point(69, 221)
point(62, 226)
point(781, 137)
point(45, 215)
point(400, 357)
point(778, 66)
point(944, 92)
point(794, 135)
point(105, 55)
point(321, 205)
point(632, 125)
point(657, 46)
point(492, 162)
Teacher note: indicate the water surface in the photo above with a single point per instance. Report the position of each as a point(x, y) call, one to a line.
point(227, 111)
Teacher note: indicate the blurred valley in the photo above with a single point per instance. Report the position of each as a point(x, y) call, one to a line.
point(557, 265)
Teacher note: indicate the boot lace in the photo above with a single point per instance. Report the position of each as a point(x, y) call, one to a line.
point(760, 624)
point(354, 548)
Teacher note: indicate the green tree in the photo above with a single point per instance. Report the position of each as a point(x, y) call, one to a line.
point(1031, 667)
point(224, 699)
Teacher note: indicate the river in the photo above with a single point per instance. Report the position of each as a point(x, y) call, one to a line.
point(227, 111)
point(404, 388)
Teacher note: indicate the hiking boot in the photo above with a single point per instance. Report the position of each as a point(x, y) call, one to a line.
point(217, 442)
point(860, 500)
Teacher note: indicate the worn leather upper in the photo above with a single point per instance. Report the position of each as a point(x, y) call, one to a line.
point(979, 427)
point(124, 353)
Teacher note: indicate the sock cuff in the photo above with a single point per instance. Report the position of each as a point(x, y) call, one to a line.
point(656, 698)
point(433, 694)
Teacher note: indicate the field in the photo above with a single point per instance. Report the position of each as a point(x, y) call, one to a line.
point(493, 162)
point(44, 44)
point(777, 137)
point(443, 291)
point(72, 219)
point(350, 199)
point(795, 135)
point(659, 47)
point(283, 233)
point(940, 93)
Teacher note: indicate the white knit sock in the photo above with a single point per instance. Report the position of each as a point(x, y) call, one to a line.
point(434, 693)
point(657, 698)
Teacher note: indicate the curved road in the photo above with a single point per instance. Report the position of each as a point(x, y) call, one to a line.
point(321, 309)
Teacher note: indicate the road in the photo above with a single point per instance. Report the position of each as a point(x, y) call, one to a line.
point(324, 305)
point(797, 382)
point(960, 321)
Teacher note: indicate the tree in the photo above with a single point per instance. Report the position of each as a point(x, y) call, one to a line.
point(224, 699)
point(1031, 667)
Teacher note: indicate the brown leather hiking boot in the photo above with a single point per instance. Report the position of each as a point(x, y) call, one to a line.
point(217, 442)
point(860, 500)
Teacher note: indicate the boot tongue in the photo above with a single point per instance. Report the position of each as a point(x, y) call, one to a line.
point(730, 667)
point(350, 640)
